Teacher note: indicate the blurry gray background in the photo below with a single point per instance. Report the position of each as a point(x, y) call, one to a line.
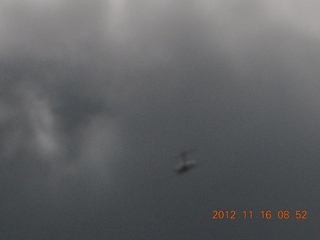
point(96, 97)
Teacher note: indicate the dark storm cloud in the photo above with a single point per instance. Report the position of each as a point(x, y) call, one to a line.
point(97, 97)
point(47, 104)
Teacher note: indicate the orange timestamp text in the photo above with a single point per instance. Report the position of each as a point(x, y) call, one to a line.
point(281, 214)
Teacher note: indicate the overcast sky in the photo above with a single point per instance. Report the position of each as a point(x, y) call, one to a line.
point(97, 97)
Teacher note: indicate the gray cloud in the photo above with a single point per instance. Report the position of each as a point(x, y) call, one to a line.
point(97, 97)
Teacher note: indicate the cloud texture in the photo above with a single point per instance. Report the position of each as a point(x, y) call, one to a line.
point(98, 96)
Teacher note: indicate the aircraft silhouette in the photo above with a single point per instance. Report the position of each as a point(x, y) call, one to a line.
point(185, 164)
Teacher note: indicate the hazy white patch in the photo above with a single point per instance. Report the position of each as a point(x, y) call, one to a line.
point(48, 29)
point(302, 16)
point(42, 123)
point(117, 21)
point(101, 143)
point(99, 148)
